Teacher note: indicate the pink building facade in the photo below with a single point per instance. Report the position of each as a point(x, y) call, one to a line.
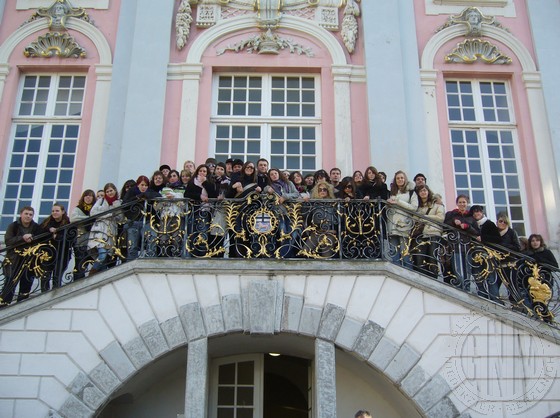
point(451, 89)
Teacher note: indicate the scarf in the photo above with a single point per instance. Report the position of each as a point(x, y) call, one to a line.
point(111, 200)
point(481, 222)
point(204, 193)
point(280, 187)
point(86, 208)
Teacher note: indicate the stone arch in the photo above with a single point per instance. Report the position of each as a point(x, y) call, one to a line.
point(297, 24)
point(439, 39)
point(94, 34)
point(362, 339)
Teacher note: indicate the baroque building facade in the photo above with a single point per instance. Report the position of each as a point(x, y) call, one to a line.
point(102, 91)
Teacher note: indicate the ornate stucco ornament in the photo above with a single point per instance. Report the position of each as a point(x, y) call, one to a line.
point(473, 19)
point(471, 50)
point(183, 21)
point(55, 44)
point(268, 14)
point(350, 24)
point(58, 13)
point(267, 43)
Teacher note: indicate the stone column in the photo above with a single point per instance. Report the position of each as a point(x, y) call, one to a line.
point(325, 379)
point(196, 392)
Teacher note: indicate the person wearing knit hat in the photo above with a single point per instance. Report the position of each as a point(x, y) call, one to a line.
point(165, 169)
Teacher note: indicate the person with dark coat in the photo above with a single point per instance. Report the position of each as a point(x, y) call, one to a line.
point(486, 279)
point(243, 182)
point(455, 264)
point(19, 236)
point(61, 241)
point(372, 186)
point(134, 202)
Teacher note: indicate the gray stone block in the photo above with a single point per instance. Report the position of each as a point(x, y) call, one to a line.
point(412, 383)
point(153, 338)
point(197, 379)
point(213, 320)
point(349, 331)
point(137, 352)
point(369, 337)
point(432, 392)
point(291, 313)
point(262, 306)
point(74, 408)
point(310, 319)
point(403, 362)
point(331, 320)
point(191, 316)
point(117, 360)
point(174, 332)
point(325, 367)
point(383, 353)
point(84, 389)
point(444, 408)
point(233, 314)
point(53, 414)
point(104, 378)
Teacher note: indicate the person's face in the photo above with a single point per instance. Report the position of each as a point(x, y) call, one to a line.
point(26, 217)
point(335, 176)
point(88, 199)
point(211, 167)
point(502, 224)
point(462, 204)
point(110, 192)
point(358, 177)
point(535, 243)
point(320, 177)
point(274, 175)
point(173, 177)
point(57, 212)
point(370, 175)
point(420, 181)
point(165, 172)
point(237, 168)
point(185, 178)
point(189, 165)
point(250, 169)
point(142, 187)
point(383, 178)
point(309, 181)
point(423, 193)
point(297, 178)
point(399, 180)
point(348, 189)
point(100, 194)
point(286, 175)
point(158, 180)
point(478, 215)
point(203, 171)
point(262, 166)
point(323, 192)
point(220, 171)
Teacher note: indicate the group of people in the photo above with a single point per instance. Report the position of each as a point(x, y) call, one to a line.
point(413, 243)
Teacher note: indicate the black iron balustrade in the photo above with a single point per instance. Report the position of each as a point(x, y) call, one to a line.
point(260, 227)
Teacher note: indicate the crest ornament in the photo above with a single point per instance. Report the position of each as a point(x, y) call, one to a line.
point(55, 44)
point(58, 13)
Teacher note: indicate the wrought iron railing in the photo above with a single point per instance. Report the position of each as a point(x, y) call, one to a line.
point(260, 227)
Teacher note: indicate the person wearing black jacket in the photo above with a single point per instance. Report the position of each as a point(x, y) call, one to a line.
point(19, 236)
point(134, 200)
point(485, 273)
point(61, 243)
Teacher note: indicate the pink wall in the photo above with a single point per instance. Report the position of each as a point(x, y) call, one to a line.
point(520, 29)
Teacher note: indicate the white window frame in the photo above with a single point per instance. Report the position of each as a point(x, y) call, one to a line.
point(266, 121)
point(481, 127)
point(258, 379)
point(48, 120)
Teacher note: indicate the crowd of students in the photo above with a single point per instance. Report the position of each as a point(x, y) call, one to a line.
point(236, 179)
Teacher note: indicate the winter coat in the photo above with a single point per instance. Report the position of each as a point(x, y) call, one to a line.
point(103, 233)
point(399, 222)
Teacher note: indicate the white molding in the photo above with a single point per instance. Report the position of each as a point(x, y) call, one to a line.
point(505, 8)
point(87, 29)
point(35, 4)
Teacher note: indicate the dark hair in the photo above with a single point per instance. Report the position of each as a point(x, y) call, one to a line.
point(163, 167)
point(321, 173)
point(65, 219)
point(430, 199)
point(464, 196)
point(476, 208)
point(396, 189)
point(141, 179)
point(537, 236)
point(420, 175)
point(127, 184)
point(81, 202)
point(254, 175)
point(195, 174)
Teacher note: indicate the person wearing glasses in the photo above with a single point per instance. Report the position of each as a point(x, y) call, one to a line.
point(244, 182)
point(321, 223)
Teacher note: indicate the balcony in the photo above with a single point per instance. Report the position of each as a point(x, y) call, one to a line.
point(258, 227)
